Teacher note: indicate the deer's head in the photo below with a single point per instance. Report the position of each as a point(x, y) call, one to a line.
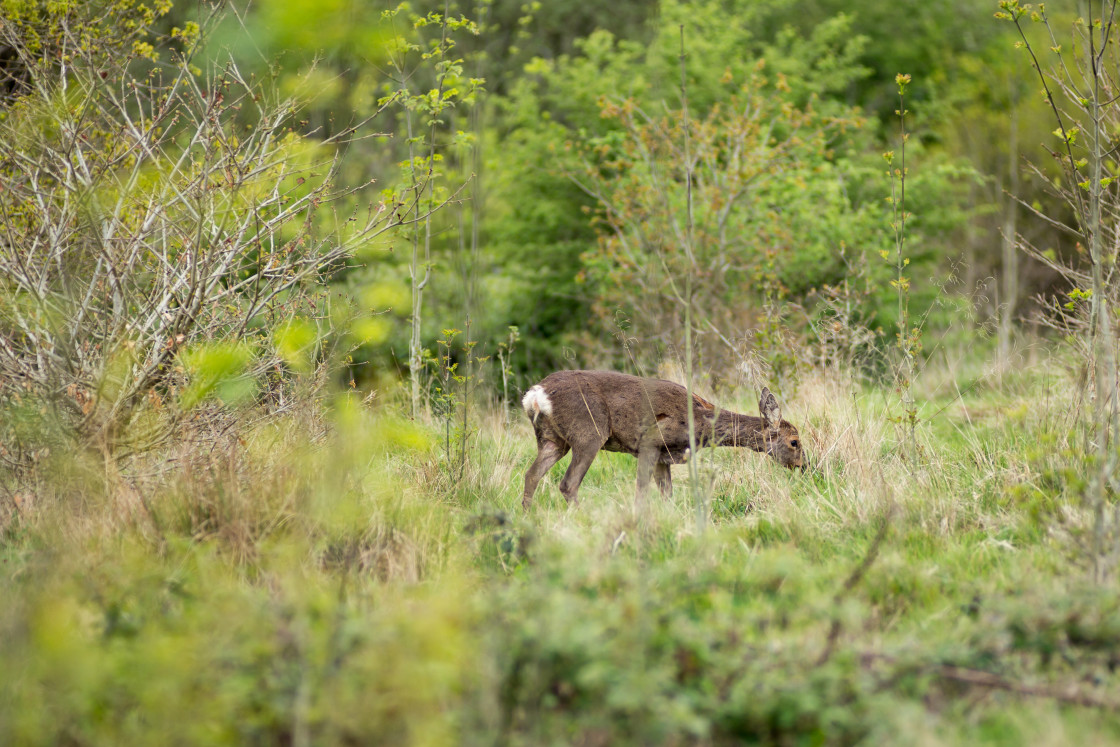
point(781, 439)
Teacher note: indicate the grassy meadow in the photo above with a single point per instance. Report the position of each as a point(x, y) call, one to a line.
point(330, 576)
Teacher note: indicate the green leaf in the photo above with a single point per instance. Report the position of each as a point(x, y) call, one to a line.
point(217, 369)
point(295, 342)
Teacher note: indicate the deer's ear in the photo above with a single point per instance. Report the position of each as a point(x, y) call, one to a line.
point(768, 406)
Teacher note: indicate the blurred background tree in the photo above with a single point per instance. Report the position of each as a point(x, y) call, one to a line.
point(533, 98)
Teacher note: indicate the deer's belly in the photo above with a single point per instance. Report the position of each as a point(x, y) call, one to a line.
point(668, 454)
point(613, 444)
point(673, 456)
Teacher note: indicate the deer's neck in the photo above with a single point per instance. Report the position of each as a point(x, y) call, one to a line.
point(733, 429)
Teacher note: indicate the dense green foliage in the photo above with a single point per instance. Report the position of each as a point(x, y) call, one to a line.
point(524, 247)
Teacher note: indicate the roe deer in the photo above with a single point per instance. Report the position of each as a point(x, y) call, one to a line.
point(590, 411)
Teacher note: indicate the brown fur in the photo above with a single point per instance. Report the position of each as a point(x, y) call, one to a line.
point(595, 411)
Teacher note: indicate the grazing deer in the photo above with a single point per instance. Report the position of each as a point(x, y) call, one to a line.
point(590, 411)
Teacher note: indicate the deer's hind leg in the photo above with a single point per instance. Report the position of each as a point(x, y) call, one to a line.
point(548, 454)
point(583, 454)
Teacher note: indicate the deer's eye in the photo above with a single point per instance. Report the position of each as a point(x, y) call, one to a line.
point(794, 443)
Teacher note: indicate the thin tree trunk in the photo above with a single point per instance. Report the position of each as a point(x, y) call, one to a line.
point(693, 470)
point(415, 358)
point(415, 361)
point(1009, 279)
point(1103, 346)
point(968, 280)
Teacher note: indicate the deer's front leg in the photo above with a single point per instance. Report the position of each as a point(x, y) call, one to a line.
point(647, 465)
point(664, 479)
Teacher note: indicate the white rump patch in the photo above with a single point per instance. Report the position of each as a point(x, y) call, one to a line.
point(536, 403)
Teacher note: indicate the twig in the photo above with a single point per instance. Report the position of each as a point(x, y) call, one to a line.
point(981, 678)
point(854, 578)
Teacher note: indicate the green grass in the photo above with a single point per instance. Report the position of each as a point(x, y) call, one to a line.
point(271, 587)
